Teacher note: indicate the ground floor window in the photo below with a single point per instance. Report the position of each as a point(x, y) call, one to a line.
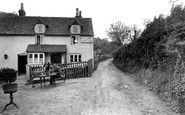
point(30, 58)
point(75, 57)
point(34, 58)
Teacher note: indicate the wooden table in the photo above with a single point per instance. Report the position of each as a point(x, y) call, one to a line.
point(43, 76)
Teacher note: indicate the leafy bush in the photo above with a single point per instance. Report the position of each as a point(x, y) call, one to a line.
point(160, 49)
point(7, 75)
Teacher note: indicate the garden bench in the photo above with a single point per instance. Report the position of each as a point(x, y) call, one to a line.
point(39, 75)
point(62, 75)
point(42, 76)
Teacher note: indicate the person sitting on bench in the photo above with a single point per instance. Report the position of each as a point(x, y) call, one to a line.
point(56, 70)
point(47, 67)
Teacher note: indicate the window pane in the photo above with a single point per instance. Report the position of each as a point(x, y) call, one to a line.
point(74, 39)
point(71, 57)
point(40, 28)
point(41, 55)
point(38, 39)
point(79, 58)
point(30, 55)
point(75, 29)
point(36, 55)
point(75, 58)
point(36, 58)
point(41, 58)
point(30, 58)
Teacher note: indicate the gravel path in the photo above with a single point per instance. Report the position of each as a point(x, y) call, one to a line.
point(108, 92)
point(118, 94)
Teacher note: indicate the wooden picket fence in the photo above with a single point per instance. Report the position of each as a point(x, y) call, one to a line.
point(71, 70)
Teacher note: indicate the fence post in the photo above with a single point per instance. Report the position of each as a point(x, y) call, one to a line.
point(90, 67)
point(28, 73)
point(66, 75)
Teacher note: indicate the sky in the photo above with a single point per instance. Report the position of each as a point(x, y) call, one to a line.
point(102, 12)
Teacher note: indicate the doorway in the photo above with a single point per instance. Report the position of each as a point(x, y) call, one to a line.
point(56, 58)
point(22, 61)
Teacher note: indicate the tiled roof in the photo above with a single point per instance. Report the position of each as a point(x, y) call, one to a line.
point(20, 25)
point(43, 48)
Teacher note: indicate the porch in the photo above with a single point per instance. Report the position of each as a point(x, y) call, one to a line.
point(43, 53)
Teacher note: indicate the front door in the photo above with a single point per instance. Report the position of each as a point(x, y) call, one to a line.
point(22, 61)
point(56, 58)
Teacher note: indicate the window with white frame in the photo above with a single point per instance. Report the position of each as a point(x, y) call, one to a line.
point(40, 28)
point(80, 58)
point(71, 58)
point(75, 29)
point(41, 58)
point(30, 58)
point(75, 57)
point(39, 39)
point(75, 39)
point(34, 58)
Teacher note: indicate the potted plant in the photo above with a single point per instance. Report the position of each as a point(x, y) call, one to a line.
point(8, 75)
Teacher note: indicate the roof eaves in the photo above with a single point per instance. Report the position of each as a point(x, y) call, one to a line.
point(16, 34)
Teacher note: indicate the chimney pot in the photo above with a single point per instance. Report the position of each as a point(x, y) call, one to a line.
point(77, 10)
point(21, 11)
point(80, 14)
point(22, 6)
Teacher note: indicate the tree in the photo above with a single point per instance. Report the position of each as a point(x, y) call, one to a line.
point(106, 46)
point(5, 14)
point(175, 26)
point(161, 46)
point(118, 32)
point(135, 32)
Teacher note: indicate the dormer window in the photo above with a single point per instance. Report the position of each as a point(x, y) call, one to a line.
point(75, 29)
point(40, 28)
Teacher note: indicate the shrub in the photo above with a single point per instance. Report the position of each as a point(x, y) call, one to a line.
point(7, 75)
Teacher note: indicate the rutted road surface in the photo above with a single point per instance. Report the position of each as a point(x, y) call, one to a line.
point(108, 92)
point(118, 94)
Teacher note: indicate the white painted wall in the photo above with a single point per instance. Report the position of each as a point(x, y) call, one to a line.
point(86, 49)
point(62, 40)
point(14, 45)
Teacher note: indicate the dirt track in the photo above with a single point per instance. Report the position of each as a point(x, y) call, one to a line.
point(107, 92)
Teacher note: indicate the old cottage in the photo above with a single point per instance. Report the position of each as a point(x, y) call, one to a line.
point(36, 40)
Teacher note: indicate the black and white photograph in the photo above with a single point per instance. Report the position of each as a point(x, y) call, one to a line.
point(92, 57)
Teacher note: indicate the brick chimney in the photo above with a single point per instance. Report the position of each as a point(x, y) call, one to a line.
point(77, 10)
point(78, 13)
point(21, 11)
